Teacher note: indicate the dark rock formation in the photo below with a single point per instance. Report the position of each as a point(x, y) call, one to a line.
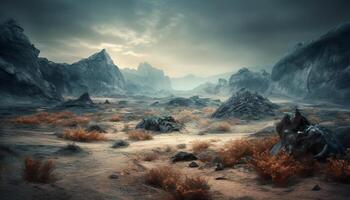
point(96, 128)
point(83, 101)
point(70, 149)
point(299, 137)
point(193, 165)
point(20, 75)
point(120, 143)
point(163, 124)
point(252, 81)
point(317, 70)
point(246, 105)
point(183, 156)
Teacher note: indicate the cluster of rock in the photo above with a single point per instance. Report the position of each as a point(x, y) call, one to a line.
point(164, 124)
point(299, 137)
point(252, 81)
point(246, 105)
point(83, 101)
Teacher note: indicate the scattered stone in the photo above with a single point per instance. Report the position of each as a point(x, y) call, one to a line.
point(113, 176)
point(96, 128)
point(107, 102)
point(316, 188)
point(69, 149)
point(246, 105)
point(181, 146)
point(221, 178)
point(120, 143)
point(162, 124)
point(83, 101)
point(219, 167)
point(183, 156)
point(193, 165)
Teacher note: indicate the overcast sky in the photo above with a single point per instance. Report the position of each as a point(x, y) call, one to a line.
point(202, 37)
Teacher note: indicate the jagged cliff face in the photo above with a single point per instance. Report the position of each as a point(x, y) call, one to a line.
point(97, 75)
point(20, 75)
point(252, 81)
point(147, 78)
point(318, 70)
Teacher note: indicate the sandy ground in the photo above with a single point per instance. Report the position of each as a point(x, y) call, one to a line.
point(86, 175)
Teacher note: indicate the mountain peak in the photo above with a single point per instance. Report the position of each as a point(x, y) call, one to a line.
point(101, 56)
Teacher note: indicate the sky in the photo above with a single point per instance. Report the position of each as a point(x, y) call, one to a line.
point(201, 37)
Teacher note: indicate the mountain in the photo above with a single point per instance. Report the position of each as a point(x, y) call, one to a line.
point(20, 77)
point(146, 78)
point(319, 69)
point(191, 81)
point(252, 81)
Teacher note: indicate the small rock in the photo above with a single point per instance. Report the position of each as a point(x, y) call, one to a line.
point(181, 146)
point(113, 176)
point(120, 143)
point(193, 165)
point(219, 167)
point(183, 156)
point(220, 178)
point(96, 128)
point(316, 188)
point(107, 102)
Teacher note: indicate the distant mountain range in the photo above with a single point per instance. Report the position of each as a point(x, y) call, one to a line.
point(191, 81)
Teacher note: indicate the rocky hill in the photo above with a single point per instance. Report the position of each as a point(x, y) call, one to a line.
point(252, 81)
point(21, 79)
point(317, 70)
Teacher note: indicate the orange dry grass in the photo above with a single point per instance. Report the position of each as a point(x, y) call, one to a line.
point(186, 116)
point(338, 170)
point(219, 127)
point(139, 135)
point(37, 171)
point(180, 188)
point(115, 119)
point(282, 167)
point(198, 146)
point(149, 156)
point(58, 118)
point(235, 150)
point(79, 134)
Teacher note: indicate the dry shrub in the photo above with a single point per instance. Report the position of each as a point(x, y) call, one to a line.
point(115, 118)
point(139, 135)
point(338, 170)
point(57, 118)
point(186, 116)
point(149, 156)
point(198, 146)
point(219, 127)
point(282, 167)
point(235, 150)
point(179, 187)
point(80, 135)
point(37, 171)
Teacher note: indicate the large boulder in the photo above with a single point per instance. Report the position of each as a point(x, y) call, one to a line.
point(20, 77)
point(317, 70)
point(252, 81)
point(163, 124)
point(246, 105)
point(299, 137)
point(83, 101)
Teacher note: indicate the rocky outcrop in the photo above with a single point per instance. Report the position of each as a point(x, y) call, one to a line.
point(146, 79)
point(83, 101)
point(194, 101)
point(317, 70)
point(246, 105)
point(20, 75)
point(249, 80)
point(162, 124)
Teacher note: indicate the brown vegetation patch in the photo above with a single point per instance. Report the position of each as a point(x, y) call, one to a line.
point(37, 171)
point(178, 186)
point(198, 146)
point(139, 134)
point(115, 118)
point(185, 116)
point(338, 170)
point(218, 127)
point(80, 135)
point(64, 118)
point(149, 156)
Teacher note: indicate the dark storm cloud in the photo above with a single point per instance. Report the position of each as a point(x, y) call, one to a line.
point(182, 36)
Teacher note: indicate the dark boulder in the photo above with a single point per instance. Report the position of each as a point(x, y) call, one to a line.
point(96, 128)
point(163, 124)
point(246, 105)
point(83, 101)
point(107, 102)
point(194, 101)
point(183, 156)
point(193, 165)
point(120, 143)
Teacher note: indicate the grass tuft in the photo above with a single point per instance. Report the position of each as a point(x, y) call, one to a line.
point(37, 171)
point(199, 146)
point(81, 135)
point(138, 135)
